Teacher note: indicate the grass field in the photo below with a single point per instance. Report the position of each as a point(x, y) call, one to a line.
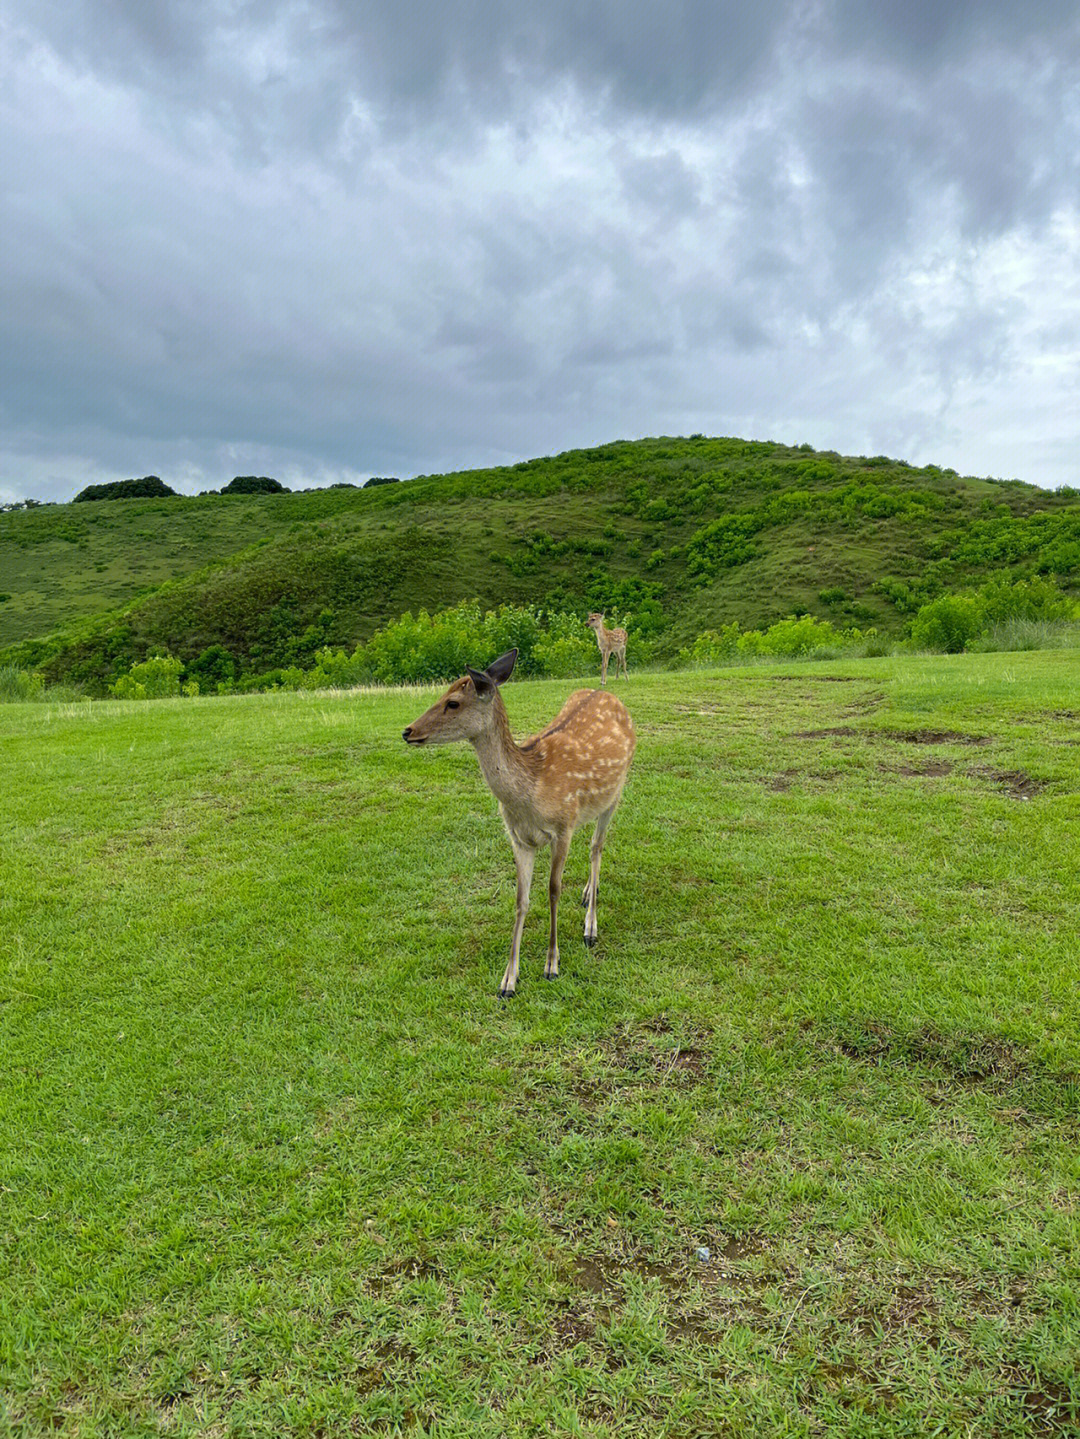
point(277, 1161)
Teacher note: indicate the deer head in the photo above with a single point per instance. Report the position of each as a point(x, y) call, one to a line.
point(465, 711)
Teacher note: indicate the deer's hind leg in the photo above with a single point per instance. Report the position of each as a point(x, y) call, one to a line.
point(596, 850)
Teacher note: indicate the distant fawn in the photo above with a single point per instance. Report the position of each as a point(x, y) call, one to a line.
point(611, 642)
point(572, 772)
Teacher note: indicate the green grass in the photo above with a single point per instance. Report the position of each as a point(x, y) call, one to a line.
point(93, 587)
point(277, 1161)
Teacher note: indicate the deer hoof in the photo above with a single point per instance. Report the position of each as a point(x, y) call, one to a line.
point(506, 994)
point(590, 940)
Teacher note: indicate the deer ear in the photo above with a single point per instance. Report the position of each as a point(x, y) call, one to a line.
point(483, 684)
point(501, 669)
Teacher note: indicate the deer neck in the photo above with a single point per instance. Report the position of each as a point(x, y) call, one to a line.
point(505, 768)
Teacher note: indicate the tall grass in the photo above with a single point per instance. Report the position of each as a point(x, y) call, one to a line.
point(19, 686)
point(1025, 634)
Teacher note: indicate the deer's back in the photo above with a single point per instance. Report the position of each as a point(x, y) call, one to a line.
point(583, 755)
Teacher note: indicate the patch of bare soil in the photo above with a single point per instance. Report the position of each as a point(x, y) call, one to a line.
point(933, 768)
point(1049, 1407)
point(636, 1052)
point(934, 736)
point(967, 1059)
point(695, 1291)
point(907, 1304)
point(1015, 783)
point(820, 679)
point(915, 736)
point(834, 730)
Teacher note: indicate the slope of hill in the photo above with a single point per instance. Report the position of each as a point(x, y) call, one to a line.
point(686, 533)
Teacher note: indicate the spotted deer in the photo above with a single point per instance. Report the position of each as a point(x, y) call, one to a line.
point(611, 642)
point(570, 773)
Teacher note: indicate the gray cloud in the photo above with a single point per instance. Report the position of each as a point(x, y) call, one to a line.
point(395, 238)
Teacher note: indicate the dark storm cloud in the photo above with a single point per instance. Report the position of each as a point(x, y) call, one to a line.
point(395, 236)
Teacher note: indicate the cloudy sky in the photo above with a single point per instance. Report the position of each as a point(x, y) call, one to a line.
point(323, 239)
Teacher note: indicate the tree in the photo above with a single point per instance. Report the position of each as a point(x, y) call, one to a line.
point(149, 487)
point(254, 485)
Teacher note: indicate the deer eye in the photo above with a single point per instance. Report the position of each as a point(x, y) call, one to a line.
point(451, 704)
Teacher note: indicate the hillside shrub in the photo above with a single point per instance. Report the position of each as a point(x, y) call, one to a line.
point(954, 622)
point(948, 623)
point(213, 667)
point(793, 638)
point(796, 636)
point(710, 649)
point(155, 678)
point(720, 545)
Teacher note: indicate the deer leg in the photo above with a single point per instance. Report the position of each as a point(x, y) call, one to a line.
point(559, 850)
point(622, 661)
point(525, 859)
point(603, 668)
point(596, 849)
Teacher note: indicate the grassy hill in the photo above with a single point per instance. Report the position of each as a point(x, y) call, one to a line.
point(275, 1160)
point(702, 530)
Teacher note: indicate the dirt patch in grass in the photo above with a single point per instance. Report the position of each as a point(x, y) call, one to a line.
point(901, 736)
point(908, 1304)
point(401, 1271)
point(1015, 783)
point(967, 1059)
point(931, 768)
point(700, 1295)
point(950, 1062)
point(834, 731)
point(1048, 1406)
point(781, 783)
point(934, 736)
point(819, 679)
point(650, 1053)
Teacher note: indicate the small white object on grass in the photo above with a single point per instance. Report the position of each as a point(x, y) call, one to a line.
point(702, 1253)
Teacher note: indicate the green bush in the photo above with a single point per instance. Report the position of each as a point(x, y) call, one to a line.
point(796, 636)
point(948, 623)
point(954, 622)
point(155, 678)
point(793, 638)
point(711, 648)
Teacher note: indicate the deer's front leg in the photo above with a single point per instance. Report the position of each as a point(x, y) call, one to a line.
point(525, 859)
point(560, 848)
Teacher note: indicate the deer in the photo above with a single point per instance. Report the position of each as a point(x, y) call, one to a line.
point(611, 642)
point(570, 773)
